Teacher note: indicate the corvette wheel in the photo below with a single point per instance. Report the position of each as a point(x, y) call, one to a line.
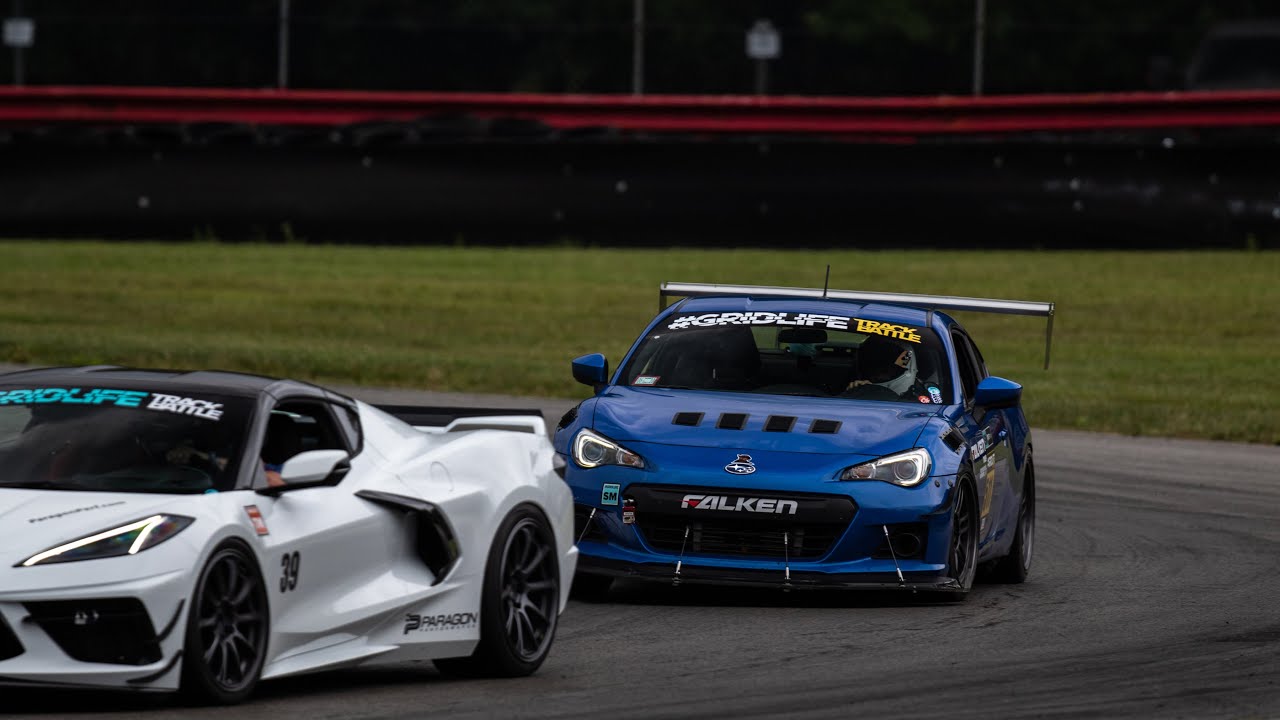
point(1014, 567)
point(227, 625)
point(521, 600)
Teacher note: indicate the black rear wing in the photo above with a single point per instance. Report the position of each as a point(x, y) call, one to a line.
point(460, 419)
point(926, 302)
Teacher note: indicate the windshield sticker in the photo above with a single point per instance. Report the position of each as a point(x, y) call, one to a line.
point(97, 396)
point(186, 406)
point(833, 322)
point(935, 394)
point(900, 332)
point(645, 380)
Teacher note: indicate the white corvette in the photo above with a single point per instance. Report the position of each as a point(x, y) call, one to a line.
point(203, 531)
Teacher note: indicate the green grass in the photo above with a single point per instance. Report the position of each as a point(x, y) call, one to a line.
point(1170, 343)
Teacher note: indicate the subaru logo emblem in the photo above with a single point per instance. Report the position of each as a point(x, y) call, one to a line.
point(741, 466)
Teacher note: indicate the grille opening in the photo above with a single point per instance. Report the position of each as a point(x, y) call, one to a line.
point(595, 532)
point(779, 423)
point(102, 630)
point(824, 427)
point(9, 645)
point(687, 418)
point(739, 538)
point(732, 421)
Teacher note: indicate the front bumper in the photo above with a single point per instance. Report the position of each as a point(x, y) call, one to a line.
point(749, 577)
point(123, 635)
point(856, 554)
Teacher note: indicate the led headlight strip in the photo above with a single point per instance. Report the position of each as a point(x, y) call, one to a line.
point(128, 539)
point(907, 469)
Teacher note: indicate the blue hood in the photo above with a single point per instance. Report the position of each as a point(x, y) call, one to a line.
point(866, 427)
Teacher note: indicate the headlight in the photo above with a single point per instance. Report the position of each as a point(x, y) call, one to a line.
point(128, 539)
point(906, 469)
point(593, 450)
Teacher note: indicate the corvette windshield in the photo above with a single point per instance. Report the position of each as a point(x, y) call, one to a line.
point(793, 354)
point(116, 440)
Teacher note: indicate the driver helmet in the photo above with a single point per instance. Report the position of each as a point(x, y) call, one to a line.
point(887, 363)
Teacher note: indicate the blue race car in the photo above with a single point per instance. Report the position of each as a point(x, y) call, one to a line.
point(799, 437)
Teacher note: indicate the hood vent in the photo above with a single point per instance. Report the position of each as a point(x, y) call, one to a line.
point(779, 423)
point(687, 418)
point(824, 427)
point(732, 421)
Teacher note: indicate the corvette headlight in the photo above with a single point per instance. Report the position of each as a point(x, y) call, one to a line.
point(906, 469)
point(593, 450)
point(128, 539)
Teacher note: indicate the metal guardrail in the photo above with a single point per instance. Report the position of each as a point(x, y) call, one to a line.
point(854, 117)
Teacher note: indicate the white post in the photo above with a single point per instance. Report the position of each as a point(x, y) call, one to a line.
point(282, 47)
point(979, 41)
point(637, 48)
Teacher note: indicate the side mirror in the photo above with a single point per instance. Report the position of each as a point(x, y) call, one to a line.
point(994, 393)
point(313, 468)
point(591, 370)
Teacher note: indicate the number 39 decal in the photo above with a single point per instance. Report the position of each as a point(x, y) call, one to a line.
point(289, 575)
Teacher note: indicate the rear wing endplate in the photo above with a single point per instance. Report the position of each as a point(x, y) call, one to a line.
point(928, 302)
point(460, 419)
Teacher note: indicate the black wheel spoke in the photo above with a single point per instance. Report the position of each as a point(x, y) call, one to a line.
point(231, 620)
point(530, 589)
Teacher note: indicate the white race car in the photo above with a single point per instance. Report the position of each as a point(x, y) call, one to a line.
point(202, 531)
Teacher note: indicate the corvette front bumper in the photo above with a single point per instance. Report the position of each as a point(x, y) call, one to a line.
point(124, 635)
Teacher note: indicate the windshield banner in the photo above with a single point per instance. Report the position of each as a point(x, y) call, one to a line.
point(831, 322)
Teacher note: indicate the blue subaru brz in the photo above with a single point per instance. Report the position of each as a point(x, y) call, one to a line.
point(797, 437)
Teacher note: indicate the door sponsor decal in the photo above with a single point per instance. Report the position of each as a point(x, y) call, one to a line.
point(413, 622)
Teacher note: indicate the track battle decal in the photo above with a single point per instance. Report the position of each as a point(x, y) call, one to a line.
point(414, 622)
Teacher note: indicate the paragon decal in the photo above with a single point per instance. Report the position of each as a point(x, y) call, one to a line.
point(833, 322)
point(73, 396)
point(414, 622)
point(740, 504)
point(186, 406)
point(900, 332)
point(741, 466)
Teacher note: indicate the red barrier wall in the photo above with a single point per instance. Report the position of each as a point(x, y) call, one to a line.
point(907, 117)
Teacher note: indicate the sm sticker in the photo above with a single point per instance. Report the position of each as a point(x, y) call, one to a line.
point(609, 495)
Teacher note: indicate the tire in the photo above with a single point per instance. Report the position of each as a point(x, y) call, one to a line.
point(591, 588)
point(227, 628)
point(520, 606)
point(1014, 567)
point(962, 549)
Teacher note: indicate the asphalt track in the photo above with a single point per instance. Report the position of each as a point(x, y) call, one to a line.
point(1154, 593)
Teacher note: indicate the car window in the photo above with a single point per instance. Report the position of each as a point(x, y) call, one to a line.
point(121, 440)
point(966, 365)
point(792, 354)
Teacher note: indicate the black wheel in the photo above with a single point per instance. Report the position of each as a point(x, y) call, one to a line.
point(227, 626)
point(520, 606)
point(1013, 568)
point(962, 553)
point(592, 588)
